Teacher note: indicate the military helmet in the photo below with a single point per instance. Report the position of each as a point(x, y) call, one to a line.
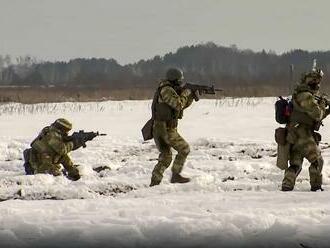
point(174, 74)
point(314, 76)
point(63, 124)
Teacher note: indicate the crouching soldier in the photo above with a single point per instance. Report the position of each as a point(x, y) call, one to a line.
point(308, 112)
point(169, 102)
point(50, 149)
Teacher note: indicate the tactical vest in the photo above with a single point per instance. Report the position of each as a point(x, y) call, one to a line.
point(162, 111)
point(300, 116)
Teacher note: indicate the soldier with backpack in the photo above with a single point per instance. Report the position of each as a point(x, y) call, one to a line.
point(301, 136)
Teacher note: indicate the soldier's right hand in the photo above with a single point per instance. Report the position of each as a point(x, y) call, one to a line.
point(196, 95)
point(77, 142)
point(327, 111)
point(186, 92)
point(73, 174)
point(323, 103)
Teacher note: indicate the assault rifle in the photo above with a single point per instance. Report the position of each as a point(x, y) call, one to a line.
point(84, 136)
point(324, 99)
point(202, 89)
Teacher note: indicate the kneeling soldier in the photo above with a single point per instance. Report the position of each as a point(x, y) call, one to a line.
point(50, 149)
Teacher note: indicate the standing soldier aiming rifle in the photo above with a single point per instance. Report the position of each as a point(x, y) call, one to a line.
point(171, 98)
point(308, 112)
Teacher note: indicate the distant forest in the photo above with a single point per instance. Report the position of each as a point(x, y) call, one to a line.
point(230, 68)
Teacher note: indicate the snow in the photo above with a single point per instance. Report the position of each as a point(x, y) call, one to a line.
point(233, 199)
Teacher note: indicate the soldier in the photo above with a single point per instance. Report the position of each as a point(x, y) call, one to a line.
point(50, 149)
point(308, 111)
point(169, 102)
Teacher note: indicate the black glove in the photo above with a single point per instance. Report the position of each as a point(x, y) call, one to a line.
point(77, 142)
point(196, 95)
point(73, 174)
point(327, 111)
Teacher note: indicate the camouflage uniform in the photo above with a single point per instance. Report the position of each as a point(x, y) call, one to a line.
point(48, 151)
point(169, 103)
point(305, 119)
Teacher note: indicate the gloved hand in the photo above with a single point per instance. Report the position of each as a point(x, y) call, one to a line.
point(327, 111)
point(196, 95)
point(186, 92)
point(322, 103)
point(73, 174)
point(77, 142)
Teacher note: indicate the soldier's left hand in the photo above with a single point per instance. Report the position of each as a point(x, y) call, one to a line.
point(327, 111)
point(196, 95)
point(323, 103)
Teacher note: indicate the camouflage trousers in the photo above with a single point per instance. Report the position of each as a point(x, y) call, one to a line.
point(43, 163)
point(165, 139)
point(303, 145)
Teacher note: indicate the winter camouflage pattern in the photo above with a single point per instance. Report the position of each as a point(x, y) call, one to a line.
point(169, 96)
point(166, 135)
point(49, 150)
point(302, 137)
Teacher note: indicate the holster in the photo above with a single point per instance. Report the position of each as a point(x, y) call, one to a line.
point(283, 156)
point(283, 148)
point(280, 135)
point(147, 130)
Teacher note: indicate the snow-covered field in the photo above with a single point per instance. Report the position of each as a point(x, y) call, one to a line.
point(233, 199)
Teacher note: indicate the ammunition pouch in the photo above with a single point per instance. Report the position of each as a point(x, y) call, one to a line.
point(280, 136)
point(147, 130)
point(283, 148)
point(283, 156)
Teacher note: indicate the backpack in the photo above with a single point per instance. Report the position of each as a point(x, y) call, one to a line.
point(283, 110)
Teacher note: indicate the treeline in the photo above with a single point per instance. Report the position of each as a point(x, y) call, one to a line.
point(227, 67)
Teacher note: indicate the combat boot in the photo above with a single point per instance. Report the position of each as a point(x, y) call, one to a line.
point(154, 183)
point(177, 178)
point(316, 188)
point(286, 188)
point(73, 174)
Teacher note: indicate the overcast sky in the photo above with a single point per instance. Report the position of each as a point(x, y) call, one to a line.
point(129, 30)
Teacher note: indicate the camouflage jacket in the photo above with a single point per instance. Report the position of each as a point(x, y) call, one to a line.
point(306, 109)
point(169, 103)
point(52, 142)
